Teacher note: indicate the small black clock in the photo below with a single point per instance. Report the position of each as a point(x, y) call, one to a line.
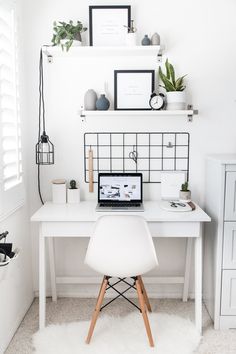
point(157, 101)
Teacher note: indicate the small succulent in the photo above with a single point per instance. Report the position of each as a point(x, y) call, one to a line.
point(68, 32)
point(184, 187)
point(73, 184)
point(170, 82)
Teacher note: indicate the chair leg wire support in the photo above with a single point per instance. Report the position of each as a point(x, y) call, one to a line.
point(142, 298)
point(120, 294)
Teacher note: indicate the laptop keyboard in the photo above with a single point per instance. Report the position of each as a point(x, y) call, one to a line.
point(119, 205)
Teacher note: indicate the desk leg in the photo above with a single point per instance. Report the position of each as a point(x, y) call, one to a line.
point(51, 252)
point(42, 280)
point(187, 268)
point(198, 281)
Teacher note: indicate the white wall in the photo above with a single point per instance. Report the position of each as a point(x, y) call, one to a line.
point(16, 290)
point(199, 37)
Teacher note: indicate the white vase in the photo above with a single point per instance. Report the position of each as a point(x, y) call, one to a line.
point(176, 100)
point(73, 196)
point(90, 99)
point(131, 39)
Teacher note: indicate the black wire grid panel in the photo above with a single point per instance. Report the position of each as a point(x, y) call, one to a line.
point(149, 153)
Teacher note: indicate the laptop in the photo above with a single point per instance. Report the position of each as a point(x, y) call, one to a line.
point(120, 191)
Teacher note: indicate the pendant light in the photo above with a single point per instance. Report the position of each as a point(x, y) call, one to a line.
point(44, 147)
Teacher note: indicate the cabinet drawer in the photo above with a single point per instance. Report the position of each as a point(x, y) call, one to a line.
point(230, 196)
point(229, 248)
point(228, 300)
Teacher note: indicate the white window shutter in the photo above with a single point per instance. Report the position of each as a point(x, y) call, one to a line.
point(11, 174)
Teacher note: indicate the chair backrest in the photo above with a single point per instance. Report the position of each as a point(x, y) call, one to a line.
point(121, 246)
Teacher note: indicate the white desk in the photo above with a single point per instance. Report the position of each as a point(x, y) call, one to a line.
point(68, 220)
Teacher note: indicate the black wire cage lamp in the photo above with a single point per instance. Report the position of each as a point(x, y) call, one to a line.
point(44, 147)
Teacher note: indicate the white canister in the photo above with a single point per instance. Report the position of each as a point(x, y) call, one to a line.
point(59, 191)
point(73, 196)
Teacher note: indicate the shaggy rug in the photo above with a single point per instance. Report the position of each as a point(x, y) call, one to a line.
point(122, 335)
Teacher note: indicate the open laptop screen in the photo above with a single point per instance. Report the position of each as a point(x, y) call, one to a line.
point(120, 187)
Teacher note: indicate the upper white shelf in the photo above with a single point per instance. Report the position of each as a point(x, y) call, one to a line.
point(55, 51)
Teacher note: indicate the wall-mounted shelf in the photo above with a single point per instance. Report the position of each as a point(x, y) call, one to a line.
point(87, 51)
point(189, 113)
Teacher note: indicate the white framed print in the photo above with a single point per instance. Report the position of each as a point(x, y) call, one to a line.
point(108, 25)
point(132, 89)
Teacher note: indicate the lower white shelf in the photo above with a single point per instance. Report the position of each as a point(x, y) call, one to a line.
point(189, 113)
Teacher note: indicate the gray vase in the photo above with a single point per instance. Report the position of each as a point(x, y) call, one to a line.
point(90, 99)
point(155, 39)
point(146, 40)
point(102, 103)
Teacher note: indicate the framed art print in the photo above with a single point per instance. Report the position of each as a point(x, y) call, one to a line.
point(132, 89)
point(108, 25)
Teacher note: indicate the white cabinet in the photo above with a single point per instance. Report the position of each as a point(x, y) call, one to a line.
point(229, 245)
point(230, 196)
point(219, 287)
point(228, 303)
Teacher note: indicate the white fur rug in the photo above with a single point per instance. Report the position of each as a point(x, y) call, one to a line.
point(122, 335)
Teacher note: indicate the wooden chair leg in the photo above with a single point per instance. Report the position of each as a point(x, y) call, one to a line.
point(97, 309)
point(145, 295)
point(144, 313)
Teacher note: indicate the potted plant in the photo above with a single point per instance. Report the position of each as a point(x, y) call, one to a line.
point(73, 195)
point(66, 34)
point(185, 193)
point(175, 88)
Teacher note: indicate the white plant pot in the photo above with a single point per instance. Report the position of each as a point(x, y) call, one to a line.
point(73, 196)
point(185, 196)
point(176, 100)
point(131, 39)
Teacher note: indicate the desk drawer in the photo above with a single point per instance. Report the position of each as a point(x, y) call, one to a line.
point(228, 301)
point(230, 196)
point(229, 248)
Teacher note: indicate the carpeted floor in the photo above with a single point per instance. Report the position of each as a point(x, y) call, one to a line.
point(75, 309)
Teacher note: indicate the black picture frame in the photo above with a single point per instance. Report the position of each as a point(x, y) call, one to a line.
point(118, 104)
point(108, 7)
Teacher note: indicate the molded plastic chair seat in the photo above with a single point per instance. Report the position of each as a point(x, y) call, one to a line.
point(121, 246)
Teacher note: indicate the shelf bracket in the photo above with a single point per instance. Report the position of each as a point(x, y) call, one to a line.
point(82, 115)
point(159, 57)
point(195, 112)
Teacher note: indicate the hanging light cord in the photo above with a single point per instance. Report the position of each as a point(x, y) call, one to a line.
point(41, 112)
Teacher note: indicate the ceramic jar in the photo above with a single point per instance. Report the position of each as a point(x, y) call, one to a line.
point(90, 99)
point(146, 40)
point(102, 103)
point(176, 100)
point(59, 191)
point(155, 39)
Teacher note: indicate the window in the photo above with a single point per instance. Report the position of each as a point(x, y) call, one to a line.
point(11, 184)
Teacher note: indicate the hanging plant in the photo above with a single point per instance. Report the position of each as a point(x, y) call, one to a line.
point(65, 33)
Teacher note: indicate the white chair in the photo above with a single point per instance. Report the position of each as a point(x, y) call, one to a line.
point(122, 247)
